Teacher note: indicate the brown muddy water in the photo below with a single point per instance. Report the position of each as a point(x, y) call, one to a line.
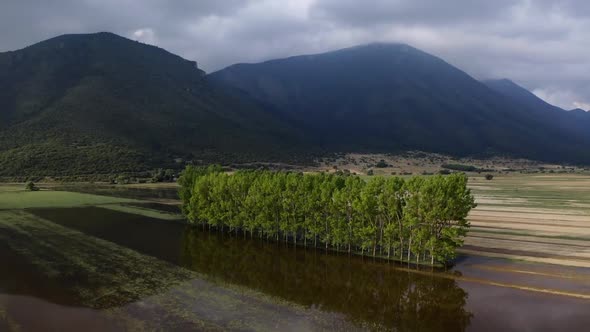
point(95, 269)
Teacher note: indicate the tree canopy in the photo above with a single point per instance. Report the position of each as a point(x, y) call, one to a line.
point(422, 219)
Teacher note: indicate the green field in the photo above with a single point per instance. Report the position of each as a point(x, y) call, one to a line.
point(15, 198)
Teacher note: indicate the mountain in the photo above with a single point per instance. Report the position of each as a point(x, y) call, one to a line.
point(101, 103)
point(384, 97)
point(576, 122)
point(519, 94)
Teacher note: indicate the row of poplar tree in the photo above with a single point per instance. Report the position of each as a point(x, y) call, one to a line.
point(421, 219)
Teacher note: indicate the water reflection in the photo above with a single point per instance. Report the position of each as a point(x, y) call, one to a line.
point(363, 290)
point(372, 294)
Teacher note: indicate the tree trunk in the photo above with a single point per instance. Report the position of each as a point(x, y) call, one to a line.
point(401, 250)
point(432, 255)
point(409, 248)
point(381, 239)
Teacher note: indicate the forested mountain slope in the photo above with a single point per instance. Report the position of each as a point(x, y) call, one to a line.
point(394, 97)
point(100, 103)
point(576, 122)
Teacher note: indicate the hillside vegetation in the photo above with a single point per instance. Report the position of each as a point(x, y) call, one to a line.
point(100, 103)
point(391, 97)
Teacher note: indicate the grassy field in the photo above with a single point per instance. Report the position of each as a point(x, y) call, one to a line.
point(14, 198)
point(541, 218)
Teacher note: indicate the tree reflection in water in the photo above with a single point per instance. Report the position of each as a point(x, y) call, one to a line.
point(373, 294)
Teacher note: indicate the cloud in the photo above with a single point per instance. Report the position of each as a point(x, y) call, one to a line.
point(431, 12)
point(145, 35)
point(541, 44)
point(584, 106)
point(567, 100)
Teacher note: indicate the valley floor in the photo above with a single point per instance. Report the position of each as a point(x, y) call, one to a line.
point(539, 218)
point(525, 231)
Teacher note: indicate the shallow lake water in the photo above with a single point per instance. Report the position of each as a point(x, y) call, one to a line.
point(97, 269)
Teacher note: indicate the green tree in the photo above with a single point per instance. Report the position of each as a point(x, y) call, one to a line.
point(30, 186)
point(418, 219)
point(391, 205)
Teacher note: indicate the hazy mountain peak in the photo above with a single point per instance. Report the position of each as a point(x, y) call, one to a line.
point(379, 48)
point(381, 45)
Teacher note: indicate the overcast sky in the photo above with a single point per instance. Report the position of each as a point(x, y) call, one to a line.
point(543, 45)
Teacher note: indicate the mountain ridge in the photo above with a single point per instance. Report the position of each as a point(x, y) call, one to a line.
point(101, 103)
point(139, 105)
point(420, 91)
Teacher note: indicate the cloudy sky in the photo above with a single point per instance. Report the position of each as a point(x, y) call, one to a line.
point(543, 45)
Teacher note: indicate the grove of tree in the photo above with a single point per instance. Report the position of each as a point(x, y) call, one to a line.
point(421, 219)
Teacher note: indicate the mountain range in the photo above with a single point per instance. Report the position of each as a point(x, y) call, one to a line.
point(101, 103)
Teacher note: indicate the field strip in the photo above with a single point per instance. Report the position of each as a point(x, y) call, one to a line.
point(526, 233)
point(482, 213)
point(554, 229)
point(525, 238)
point(529, 249)
point(151, 213)
point(19, 200)
point(499, 284)
point(536, 273)
point(570, 224)
point(546, 260)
